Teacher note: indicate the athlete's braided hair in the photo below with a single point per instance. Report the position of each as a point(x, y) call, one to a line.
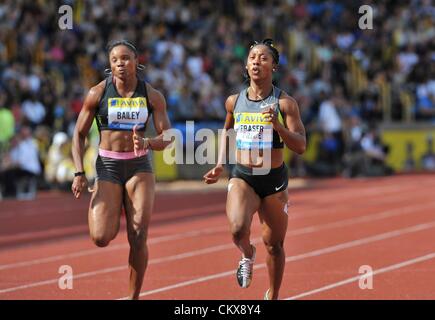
point(114, 43)
point(140, 70)
point(269, 44)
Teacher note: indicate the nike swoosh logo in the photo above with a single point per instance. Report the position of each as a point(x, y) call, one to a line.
point(268, 105)
point(277, 188)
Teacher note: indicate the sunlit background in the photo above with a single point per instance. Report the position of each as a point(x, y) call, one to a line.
point(366, 96)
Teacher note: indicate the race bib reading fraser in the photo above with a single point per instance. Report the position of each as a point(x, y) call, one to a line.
point(124, 113)
point(252, 131)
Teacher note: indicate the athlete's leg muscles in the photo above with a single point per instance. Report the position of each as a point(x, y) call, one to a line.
point(274, 219)
point(138, 203)
point(105, 212)
point(242, 203)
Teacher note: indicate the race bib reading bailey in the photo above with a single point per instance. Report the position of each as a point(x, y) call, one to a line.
point(252, 131)
point(124, 113)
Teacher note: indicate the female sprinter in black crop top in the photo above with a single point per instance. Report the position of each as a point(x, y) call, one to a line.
point(264, 119)
point(122, 104)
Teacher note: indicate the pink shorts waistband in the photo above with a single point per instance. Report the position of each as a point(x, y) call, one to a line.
point(122, 155)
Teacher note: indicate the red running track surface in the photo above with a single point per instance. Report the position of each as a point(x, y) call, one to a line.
point(335, 227)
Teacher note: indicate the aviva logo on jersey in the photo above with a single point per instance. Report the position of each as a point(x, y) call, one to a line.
point(138, 102)
point(249, 118)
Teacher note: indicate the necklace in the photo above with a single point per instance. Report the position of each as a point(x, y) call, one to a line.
point(263, 103)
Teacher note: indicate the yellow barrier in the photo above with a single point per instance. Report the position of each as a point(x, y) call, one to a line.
point(397, 140)
point(163, 171)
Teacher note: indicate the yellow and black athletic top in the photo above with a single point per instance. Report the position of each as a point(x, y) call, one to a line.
point(252, 131)
point(117, 113)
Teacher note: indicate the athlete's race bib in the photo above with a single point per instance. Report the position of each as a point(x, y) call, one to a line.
point(252, 131)
point(124, 113)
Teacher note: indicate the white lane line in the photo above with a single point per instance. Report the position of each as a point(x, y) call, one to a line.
point(119, 247)
point(384, 199)
point(122, 267)
point(357, 278)
point(347, 194)
point(315, 253)
point(306, 230)
point(352, 192)
point(228, 246)
point(53, 281)
point(186, 283)
point(361, 219)
point(115, 247)
point(30, 211)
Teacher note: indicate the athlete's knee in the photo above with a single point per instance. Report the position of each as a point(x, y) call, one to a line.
point(137, 239)
point(101, 241)
point(274, 248)
point(239, 231)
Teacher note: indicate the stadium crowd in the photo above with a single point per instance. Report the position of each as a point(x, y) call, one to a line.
point(345, 79)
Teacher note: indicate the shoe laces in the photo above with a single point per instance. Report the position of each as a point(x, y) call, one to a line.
point(245, 267)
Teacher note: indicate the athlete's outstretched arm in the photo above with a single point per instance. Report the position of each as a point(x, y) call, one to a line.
point(81, 130)
point(213, 175)
point(293, 134)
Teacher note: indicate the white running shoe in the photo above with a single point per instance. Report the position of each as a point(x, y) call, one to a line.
point(245, 270)
point(266, 295)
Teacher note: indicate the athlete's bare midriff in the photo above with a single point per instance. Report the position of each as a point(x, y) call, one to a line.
point(117, 140)
point(257, 158)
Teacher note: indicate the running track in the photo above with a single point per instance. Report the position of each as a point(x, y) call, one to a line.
point(335, 226)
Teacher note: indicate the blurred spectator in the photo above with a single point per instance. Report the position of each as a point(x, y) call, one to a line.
point(56, 154)
point(329, 118)
point(407, 59)
point(327, 163)
point(185, 108)
point(331, 123)
point(354, 157)
point(428, 159)
point(376, 152)
point(34, 110)
point(7, 123)
point(409, 164)
point(21, 167)
point(370, 106)
point(426, 108)
point(195, 55)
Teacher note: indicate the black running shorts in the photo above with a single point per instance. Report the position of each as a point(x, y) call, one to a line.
point(120, 171)
point(264, 185)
